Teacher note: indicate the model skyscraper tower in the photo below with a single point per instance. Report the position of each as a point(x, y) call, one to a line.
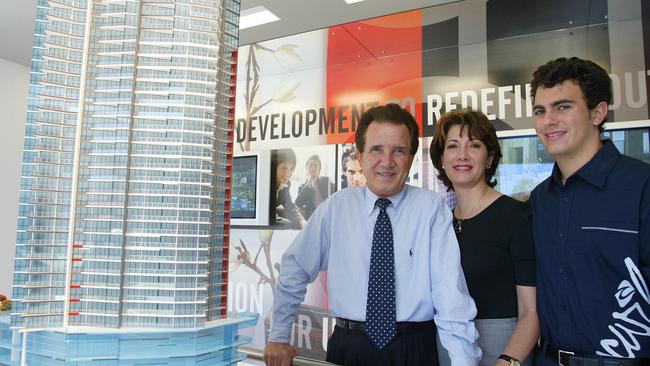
point(124, 201)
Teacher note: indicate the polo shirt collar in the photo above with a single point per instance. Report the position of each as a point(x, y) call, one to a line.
point(597, 169)
point(371, 198)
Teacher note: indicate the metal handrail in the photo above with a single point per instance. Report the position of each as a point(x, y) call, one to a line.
point(297, 360)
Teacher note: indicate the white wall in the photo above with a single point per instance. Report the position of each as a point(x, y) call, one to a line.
point(14, 81)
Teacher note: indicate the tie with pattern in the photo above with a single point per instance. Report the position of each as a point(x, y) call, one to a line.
point(380, 308)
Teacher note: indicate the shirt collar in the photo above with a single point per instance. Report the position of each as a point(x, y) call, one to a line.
point(597, 169)
point(371, 198)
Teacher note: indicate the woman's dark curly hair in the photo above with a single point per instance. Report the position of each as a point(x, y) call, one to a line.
point(478, 127)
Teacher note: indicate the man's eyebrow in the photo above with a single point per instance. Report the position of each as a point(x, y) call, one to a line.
point(562, 101)
point(555, 103)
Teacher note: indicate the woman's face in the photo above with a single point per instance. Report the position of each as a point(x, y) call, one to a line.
point(465, 161)
point(284, 172)
point(313, 168)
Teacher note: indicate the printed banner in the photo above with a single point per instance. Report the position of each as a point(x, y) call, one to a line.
point(312, 88)
point(303, 95)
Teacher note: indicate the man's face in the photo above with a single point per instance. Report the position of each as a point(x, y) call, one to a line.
point(354, 174)
point(313, 168)
point(564, 124)
point(387, 158)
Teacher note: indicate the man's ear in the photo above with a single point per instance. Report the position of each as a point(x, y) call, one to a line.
point(599, 113)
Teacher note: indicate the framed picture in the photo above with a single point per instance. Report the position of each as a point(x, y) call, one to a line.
point(251, 172)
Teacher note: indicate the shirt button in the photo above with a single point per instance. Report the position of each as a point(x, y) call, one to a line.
point(561, 235)
point(562, 270)
point(565, 199)
point(562, 307)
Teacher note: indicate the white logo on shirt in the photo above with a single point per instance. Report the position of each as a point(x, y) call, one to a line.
point(631, 321)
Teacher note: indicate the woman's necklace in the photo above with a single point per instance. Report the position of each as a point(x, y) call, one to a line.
point(459, 222)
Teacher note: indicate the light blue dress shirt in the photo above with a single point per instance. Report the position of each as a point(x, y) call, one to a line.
point(429, 280)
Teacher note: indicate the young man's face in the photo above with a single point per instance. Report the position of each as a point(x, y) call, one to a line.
point(354, 174)
point(564, 124)
point(386, 159)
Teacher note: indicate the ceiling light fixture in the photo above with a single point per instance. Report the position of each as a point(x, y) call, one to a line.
point(256, 16)
point(353, 1)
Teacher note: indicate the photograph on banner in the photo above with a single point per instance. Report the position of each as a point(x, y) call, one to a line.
point(280, 89)
point(415, 174)
point(429, 174)
point(350, 174)
point(525, 164)
point(301, 178)
point(244, 179)
point(251, 188)
point(318, 167)
point(283, 207)
point(254, 265)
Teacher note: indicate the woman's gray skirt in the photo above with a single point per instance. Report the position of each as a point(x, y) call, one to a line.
point(493, 335)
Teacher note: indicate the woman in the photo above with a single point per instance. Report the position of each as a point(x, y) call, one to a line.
point(283, 167)
point(494, 233)
point(315, 189)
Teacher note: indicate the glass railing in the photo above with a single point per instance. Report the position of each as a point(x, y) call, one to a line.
point(136, 231)
point(179, 219)
point(157, 272)
point(162, 258)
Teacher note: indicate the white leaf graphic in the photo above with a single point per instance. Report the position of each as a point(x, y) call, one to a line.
point(624, 293)
point(284, 93)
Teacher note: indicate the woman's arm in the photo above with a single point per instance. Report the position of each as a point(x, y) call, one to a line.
point(526, 332)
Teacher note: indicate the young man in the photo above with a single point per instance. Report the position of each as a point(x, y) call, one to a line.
point(392, 259)
point(352, 169)
point(591, 226)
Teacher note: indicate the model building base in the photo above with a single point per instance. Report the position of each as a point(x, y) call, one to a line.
point(215, 344)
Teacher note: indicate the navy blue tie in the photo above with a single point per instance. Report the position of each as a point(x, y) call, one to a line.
point(380, 307)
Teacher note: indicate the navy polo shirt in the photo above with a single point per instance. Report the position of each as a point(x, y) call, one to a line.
point(592, 243)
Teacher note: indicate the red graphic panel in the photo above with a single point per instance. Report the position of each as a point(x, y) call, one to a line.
point(370, 62)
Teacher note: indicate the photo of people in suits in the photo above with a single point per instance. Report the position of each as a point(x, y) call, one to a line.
point(303, 179)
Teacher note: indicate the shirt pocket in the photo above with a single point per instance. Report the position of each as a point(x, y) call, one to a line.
point(606, 237)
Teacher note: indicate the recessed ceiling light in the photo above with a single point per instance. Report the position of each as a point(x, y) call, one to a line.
point(256, 16)
point(353, 1)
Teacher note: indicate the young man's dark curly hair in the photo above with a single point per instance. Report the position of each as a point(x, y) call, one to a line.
point(592, 79)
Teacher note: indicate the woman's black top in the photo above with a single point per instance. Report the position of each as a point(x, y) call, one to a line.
point(497, 254)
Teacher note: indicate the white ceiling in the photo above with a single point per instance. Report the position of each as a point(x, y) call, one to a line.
point(296, 16)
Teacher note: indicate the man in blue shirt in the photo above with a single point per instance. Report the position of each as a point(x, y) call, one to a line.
point(429, 289)
point(591, 225)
